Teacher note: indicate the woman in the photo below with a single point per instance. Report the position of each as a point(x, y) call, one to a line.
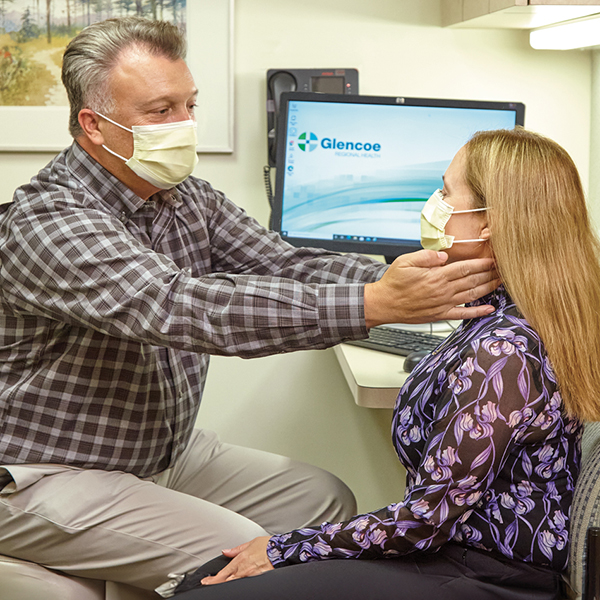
point(488, 426)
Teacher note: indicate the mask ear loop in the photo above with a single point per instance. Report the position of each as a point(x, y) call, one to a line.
point(118, 125)
point(115, 154)
point(469, 210)
point(467, 241)
point(131, 130)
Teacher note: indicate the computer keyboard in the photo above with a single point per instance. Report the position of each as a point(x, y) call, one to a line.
point(398, 341)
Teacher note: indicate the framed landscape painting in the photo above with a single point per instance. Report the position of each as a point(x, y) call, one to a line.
point(33, 37)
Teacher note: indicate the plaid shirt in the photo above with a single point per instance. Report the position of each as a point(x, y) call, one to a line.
point(110, 305)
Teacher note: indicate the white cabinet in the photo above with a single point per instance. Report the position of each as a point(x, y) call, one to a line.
point(514, 14)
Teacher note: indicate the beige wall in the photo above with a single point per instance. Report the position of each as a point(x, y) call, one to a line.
point(299, 404)
point(594, 176)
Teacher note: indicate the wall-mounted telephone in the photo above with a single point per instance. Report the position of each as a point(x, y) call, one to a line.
point(328, 81)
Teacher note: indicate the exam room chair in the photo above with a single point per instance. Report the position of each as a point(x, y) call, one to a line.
point(585, 511)
point(23, 580)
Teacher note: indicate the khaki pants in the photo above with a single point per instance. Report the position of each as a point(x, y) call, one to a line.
point(117, 527)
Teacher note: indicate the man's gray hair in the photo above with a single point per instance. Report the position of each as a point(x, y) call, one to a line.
point(91, 55)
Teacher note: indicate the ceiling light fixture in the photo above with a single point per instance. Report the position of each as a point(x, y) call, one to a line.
point(581, 33)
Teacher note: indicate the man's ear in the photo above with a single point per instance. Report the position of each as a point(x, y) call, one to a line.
point(89, 121)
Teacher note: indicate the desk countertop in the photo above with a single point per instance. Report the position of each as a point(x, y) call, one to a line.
point(375, 378)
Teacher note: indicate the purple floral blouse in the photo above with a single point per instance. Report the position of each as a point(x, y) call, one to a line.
point(491, 459)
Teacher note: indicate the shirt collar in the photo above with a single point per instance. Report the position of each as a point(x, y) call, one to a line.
point(103, 186)
point(171, 197)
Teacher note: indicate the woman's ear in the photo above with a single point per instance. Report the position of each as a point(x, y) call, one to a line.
point(485, 233)
point(89, 121)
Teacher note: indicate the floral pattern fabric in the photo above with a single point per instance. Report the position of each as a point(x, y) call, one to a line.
point(491, 458)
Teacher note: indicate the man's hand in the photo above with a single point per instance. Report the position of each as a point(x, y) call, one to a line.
point(420, 288)
point(249, 559)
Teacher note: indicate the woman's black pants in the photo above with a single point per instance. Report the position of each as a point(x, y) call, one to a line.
point(453, 573)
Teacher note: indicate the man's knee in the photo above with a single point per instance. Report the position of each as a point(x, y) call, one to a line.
point(113, 526)
point(340, 501)
point(321, 496)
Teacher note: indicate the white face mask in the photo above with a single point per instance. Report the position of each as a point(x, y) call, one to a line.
point(434, 216)
point(163, 155)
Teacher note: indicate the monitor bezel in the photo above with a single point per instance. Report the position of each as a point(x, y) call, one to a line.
point(377, 248)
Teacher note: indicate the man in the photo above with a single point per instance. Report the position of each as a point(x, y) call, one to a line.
point(120, 274)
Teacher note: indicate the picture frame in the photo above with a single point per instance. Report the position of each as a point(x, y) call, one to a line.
point(210, 59)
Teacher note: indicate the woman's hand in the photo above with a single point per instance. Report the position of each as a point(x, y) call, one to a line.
point(249, 559)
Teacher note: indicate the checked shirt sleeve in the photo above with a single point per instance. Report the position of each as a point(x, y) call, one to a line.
point(239, 244)
point(82, 267)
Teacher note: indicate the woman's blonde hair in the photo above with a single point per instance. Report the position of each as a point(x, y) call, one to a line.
point(546, 252)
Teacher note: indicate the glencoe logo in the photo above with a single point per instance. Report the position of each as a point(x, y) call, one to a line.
point(307, 142)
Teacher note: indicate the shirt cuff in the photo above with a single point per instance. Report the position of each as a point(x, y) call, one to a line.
point(274, 553)
point(341, 310)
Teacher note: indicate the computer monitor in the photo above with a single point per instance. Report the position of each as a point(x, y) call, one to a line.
point(355, 171)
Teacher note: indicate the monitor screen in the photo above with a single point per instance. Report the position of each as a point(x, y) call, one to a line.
point(353, 172)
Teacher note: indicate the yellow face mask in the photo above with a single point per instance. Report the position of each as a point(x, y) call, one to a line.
point(434, 217)
point(163, 155)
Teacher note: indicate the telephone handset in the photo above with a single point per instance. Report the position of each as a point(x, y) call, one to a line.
point(328, 81)
point(279, 82)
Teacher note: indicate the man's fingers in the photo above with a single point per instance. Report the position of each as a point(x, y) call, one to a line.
point(473, 293)
point(422, 287)
point(465, 270)
point(461, 313)
point(423, 259)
